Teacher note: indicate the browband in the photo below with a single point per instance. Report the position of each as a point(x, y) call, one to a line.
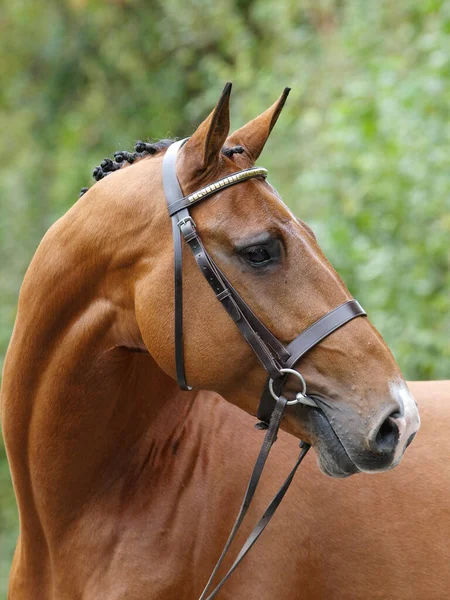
point(215, 187)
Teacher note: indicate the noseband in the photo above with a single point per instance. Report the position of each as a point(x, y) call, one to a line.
point(276, 358)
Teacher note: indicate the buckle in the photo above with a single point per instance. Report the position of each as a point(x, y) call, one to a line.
point(186, 220)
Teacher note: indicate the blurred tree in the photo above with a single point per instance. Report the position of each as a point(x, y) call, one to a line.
point(361, 151)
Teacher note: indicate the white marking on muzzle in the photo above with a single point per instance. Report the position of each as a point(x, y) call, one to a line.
point(409, 421)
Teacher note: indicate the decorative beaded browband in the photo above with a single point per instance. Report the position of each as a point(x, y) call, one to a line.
point(216, 187)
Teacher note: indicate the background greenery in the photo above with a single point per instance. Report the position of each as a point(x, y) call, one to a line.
point(361, 151)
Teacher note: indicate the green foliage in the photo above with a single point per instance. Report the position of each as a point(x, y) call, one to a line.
point(361, 151)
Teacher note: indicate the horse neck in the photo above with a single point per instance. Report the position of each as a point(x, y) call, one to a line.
point(78, 396)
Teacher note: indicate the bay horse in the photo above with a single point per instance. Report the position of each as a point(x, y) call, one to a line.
point(123, 482)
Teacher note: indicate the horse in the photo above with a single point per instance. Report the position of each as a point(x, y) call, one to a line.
point(123, 485)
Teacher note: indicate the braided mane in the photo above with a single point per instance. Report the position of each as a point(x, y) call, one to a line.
point(141, 150)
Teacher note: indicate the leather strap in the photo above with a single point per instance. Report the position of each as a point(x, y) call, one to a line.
point(307, 340)
point(225, 295)
point(322, 328)
point(264, 520)
point(172, 191)
point(280, 351)
point(269, 440)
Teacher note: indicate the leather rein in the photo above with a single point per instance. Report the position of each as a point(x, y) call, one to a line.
point(276, 358)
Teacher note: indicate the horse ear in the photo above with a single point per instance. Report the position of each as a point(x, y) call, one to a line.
point(253, 136)
point(202, 151)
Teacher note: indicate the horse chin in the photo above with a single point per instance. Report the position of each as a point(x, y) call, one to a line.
point(337, 468)
point(332, 457)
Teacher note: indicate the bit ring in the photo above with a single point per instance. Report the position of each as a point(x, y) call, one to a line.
point(299, 396)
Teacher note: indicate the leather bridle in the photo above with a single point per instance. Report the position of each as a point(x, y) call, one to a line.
point(275, 357)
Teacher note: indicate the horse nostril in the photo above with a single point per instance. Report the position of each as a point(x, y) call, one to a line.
point(385, 440)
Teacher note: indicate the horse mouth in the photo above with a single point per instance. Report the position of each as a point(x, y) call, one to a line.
point(332, 457)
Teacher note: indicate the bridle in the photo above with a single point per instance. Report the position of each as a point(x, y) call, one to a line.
point(277, 359)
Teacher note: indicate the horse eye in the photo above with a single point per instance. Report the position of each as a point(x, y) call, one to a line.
point(257, 255)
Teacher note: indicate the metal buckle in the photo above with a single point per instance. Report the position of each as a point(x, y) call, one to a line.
point(185, 220)
point(301, 397)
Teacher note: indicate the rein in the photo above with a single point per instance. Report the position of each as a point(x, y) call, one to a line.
point(277, 359)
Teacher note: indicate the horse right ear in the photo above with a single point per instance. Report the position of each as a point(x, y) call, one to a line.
point(253, 136)
point(200, 155)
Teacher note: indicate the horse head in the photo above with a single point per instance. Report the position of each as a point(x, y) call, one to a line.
point(363, 415)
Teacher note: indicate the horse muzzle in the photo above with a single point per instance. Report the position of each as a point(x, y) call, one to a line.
point(346, 445)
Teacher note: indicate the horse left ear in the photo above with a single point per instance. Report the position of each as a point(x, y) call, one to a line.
point(253, 136)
